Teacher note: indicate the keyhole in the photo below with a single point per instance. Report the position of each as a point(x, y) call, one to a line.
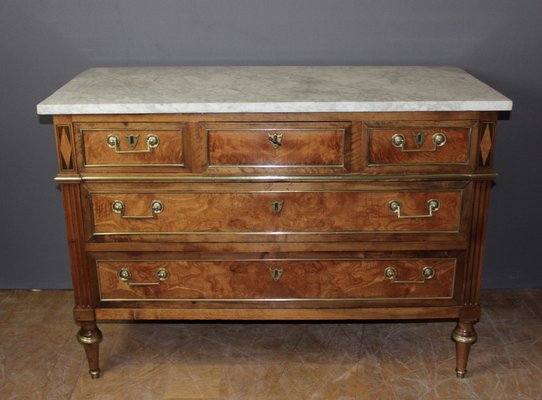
point(276, 206)
point(275, 274)
point(275, 139)
point(132, 140)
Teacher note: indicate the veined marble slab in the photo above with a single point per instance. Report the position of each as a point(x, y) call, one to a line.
point(141, 90)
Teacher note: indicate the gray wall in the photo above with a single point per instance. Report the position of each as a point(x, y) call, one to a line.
point(45, 43)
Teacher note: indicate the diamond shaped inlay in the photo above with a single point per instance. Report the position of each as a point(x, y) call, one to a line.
point(485, 145)
point(65, 147)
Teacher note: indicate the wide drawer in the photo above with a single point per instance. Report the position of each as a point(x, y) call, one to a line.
point(131, 144)
point(419, 145)
point(276, 212)
point(428, 278)
point(321, 147)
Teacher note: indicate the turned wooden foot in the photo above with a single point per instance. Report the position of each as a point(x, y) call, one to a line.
point(464, 336)
point(90, 337)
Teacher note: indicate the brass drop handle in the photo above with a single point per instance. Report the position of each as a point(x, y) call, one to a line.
point(432, 206)
point(427, 273)
point(156, 208)
point(275, 139)
point(113, 142)
point(125, 275)
point(398, 140)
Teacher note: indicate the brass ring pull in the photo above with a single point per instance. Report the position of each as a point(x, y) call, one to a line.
point(156, 208)
point(113, 142)
point(432, 206)
point(391, 274)
point(275, 139)
point(399, 141)
point(125, 275)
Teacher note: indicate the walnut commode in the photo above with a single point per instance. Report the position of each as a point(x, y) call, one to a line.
point(275, 193)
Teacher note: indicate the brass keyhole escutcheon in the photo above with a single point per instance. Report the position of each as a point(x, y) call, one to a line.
point(275, 139)
point(419, 138)
point(276, 206)
point(132, 140)
point(275, 274)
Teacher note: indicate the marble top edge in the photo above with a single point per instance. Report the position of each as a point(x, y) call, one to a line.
point(198, 108)
point(141, 90)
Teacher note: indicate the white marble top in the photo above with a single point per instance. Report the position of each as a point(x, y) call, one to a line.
point(140, 90)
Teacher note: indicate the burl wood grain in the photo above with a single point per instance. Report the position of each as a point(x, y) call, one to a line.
point(96, 152)
point(335, 174)
point(300, 279)
point(317, 212)
point(456, 150)
point(249, 145)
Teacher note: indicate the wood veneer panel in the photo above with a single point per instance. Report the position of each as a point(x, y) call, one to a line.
point(293, 279)
point(317, 212)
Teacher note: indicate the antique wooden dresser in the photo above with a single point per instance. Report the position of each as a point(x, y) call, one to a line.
point(275, 193)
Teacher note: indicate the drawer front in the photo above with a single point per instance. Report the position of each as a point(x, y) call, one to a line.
point(134, 144)
point(310, 146)
point(420, 144)
point(276, 212)
point(277, 279)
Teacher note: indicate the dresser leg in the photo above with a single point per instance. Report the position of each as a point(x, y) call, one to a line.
point(464, 336)
point(90, 337)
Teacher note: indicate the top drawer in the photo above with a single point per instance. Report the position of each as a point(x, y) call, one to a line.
point(419, 145)
point(269, 147)
point(131, 144)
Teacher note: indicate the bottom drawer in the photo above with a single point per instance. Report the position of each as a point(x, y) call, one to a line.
point(276, 280)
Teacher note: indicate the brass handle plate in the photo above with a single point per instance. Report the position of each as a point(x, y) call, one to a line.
point(275, 139)
point(433, 205)
point(427, 273)
point(399, 140)
point(125, 275)
point(275, 274)
point(113, 142)
point(156, 208)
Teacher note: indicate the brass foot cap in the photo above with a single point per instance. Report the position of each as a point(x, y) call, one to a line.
point(460, 374)
point(95, 374)
point(92, 336)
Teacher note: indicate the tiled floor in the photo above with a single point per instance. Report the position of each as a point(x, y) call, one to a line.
point(40, 359)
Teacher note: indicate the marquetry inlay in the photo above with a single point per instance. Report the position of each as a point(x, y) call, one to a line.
point(486, 144)
point(65, 148)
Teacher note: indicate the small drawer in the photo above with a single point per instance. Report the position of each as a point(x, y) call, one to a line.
point(417, 145)
point(253, 280)
point(131, 144)
point(277, 212)
point(311, 147)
